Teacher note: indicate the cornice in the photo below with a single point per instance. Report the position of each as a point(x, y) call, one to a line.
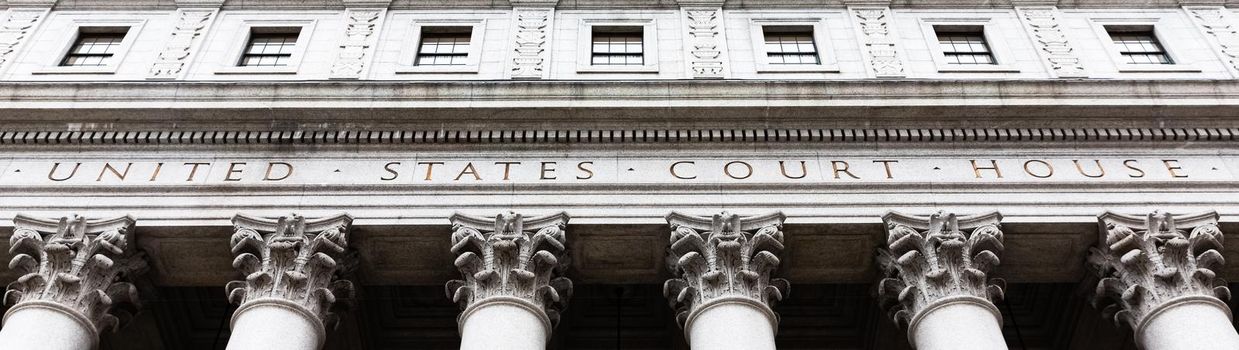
point(662, 106)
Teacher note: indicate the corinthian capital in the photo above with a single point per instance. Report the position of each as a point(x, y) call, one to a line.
point(511, 259)
point(933, 261)
point(1149, 263)
point(724, 258)
point(293, 262)
point(77, 266)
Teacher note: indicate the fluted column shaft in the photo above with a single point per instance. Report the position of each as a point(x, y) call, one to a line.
point(71, 287)
point(936, 280)
point(1158, 277)
point(513, 289)
point(291, 285)
point(723, 292)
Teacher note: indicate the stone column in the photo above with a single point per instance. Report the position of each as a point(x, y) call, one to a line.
point(72, 285)
point(513, 289)
point(723, 294)
point(1158, 277)
point(291, 286)
point(936, 282)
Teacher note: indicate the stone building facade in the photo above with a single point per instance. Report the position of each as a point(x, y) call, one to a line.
point(627, 174)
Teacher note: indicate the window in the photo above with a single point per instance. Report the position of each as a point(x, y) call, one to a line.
point(790, 45)
point(1138, 45)
point(444, 46)
point(617, 46)
point(964, 45)
point(269, 47)
point(94, 47)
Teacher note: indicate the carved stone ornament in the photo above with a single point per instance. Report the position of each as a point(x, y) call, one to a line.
point(704, 42)
point(878, 41)
point(358, 34)
point(77, 266)
point(1147, 264)
point(529, 55)
point(15, 30)
point(293, 262)
point(190, 25)
point(1042, 23)
point(511, 259)
point(723, 259)
point(938, 260)
point(1215, 21)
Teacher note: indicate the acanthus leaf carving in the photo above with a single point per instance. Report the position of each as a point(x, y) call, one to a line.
point(725, 257)
point(174, 57)
point(878, 42)
point(83, 266)
point(15, 30)
point(1216, 22)
point(929, 260)
point(511, 257)
point(1042, 23)
point(1147, 262)
point(295, 260)
point(359, 30)
point(704, 42)
point(529, 52)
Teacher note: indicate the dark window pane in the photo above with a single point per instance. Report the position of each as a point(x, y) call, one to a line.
point(268, 50)
point(790, 47)
point(93, 49)
point(965, 47)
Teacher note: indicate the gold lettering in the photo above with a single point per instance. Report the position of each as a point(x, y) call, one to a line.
point(155, 174)
point(677, 175)
point(976, 170)
point(1172, 166)
point(546, 170)
point(1048, 168)
point(468, 170)
point(233, 169)
point(1100, 170)
point(119, 174)
point(51, 175)
point(804, 170)
point(430, 168)
point(748, 168)
point(1133, 164)
point(507, 168)
point(288, 171)
point(581, 166)
point(886, 164)
point(193, 170)
point(834, 165)
point(394, 174)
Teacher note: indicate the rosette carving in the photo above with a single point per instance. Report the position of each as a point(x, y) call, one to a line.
point(294, 260)
point(1145, 262)
point(77, 265)
point(929, 260)
point(512, 258)
point(724, 258)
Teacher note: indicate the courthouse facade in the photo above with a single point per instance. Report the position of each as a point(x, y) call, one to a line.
point(623, 174)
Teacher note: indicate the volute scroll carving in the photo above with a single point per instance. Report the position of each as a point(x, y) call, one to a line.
point(292, 261)
point(79, 266)
point(930, 261)
point(1151, 262)
point(724, 258)
point(511, 258)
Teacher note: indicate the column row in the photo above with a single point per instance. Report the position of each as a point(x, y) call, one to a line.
point(1157, 275)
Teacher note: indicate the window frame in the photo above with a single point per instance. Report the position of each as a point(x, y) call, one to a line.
point(241, 42)
point(826, 56)
point(649, 46)
point(70, 38)
point(1003, 59)
point(1177, 65)
point(406, 64)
